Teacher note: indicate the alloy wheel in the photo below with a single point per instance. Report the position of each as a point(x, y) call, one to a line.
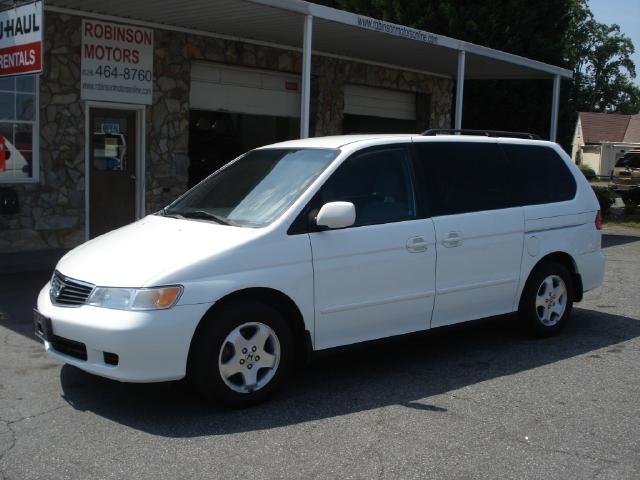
point(551, 300)
point(249, 357)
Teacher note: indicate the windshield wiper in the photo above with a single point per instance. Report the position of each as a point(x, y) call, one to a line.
point(206, 216)
point(165, 213)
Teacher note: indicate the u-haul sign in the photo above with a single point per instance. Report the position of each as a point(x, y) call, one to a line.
point(21, 40)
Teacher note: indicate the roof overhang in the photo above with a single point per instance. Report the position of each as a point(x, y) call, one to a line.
point(335, 33)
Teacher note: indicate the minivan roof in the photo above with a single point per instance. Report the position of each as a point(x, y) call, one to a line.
point(338, 141)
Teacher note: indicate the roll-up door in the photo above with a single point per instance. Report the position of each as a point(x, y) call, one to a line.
point(378, 102)
point(376, 110)
point(243, 90)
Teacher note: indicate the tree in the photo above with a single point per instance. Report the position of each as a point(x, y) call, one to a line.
point(628, 99)
point(600, 56)
point(558, 32)
point(532, 29)
point(529, 29)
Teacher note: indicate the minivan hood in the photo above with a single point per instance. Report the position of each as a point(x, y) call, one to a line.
point(132, 255)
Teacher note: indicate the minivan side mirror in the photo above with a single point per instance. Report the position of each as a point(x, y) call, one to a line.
point(336, 215)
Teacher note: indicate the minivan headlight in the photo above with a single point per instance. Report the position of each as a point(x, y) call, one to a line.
point(157, 298)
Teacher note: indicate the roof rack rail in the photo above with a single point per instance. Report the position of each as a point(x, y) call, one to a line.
point(485, 133)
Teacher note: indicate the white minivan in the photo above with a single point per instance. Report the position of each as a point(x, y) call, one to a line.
point(311, 244)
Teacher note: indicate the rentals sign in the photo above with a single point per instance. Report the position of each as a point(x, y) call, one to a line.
point(116, 63)
point(21, 40)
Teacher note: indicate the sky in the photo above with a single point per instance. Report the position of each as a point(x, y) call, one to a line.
point(625, 13)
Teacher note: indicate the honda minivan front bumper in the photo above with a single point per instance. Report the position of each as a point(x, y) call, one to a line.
point(130, 346)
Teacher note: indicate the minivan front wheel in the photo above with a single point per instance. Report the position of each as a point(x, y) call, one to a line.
point(242, 354)
point(249, 357)
point(547, 299)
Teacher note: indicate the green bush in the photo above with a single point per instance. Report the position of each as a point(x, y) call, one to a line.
point(630, 209)
point(588, 172)
point(606, 198)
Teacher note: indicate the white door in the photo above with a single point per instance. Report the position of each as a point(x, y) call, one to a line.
point(379, 102)
point(478, 270)
point(376, 278)
point(217, 87)
point(479, 230)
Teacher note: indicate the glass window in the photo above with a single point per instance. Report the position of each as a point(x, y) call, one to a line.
point(18, 129)
point(378, 183)
point(7, 106)
point(255, 189)
point(109, 143)
point(216, 138)
point(542, 176)
point(463, 177)
point(7, 84)
point(26, 83)
point(25, 106)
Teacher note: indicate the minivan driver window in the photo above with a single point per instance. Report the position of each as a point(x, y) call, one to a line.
point(255, 189)
point(378, 183)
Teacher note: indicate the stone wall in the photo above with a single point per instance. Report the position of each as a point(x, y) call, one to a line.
point(433, 94)
point(52, 212)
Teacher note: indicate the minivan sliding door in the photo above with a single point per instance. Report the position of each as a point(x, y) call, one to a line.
point(479, 231)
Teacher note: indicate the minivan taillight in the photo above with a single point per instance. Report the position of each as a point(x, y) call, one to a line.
point(598, 220)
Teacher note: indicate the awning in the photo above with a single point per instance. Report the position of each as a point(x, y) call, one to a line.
point(283, 23)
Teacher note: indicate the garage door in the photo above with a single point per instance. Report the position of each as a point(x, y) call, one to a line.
point(243, 90)
point(378, 102)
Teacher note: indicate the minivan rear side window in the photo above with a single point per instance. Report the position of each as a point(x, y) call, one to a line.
point(541, 175)
point(462, 177)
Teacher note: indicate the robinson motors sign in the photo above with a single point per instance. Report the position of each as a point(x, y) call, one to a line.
point(116, 62)
point(21, 40)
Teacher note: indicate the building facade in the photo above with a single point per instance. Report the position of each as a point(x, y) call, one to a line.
point(83, 167)
point(601, 139)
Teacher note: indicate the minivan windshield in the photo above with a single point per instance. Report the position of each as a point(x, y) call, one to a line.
point(255, 189)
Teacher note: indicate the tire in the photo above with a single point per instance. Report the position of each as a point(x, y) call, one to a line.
point(547, 300)
point(242, 354)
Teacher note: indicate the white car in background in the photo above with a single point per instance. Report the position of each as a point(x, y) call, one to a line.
point(312, 244)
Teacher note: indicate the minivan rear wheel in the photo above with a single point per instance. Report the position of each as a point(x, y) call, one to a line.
point(242, 354)
point(547, 300)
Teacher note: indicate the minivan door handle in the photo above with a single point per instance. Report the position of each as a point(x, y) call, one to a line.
point(417, 244)
point(454, 239)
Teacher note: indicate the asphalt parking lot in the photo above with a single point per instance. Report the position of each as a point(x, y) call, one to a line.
point(480, 401)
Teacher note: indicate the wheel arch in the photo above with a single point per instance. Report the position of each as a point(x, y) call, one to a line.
point(269, 296)
point(566, 260)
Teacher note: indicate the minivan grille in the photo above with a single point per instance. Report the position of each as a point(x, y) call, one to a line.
point(68, 292)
